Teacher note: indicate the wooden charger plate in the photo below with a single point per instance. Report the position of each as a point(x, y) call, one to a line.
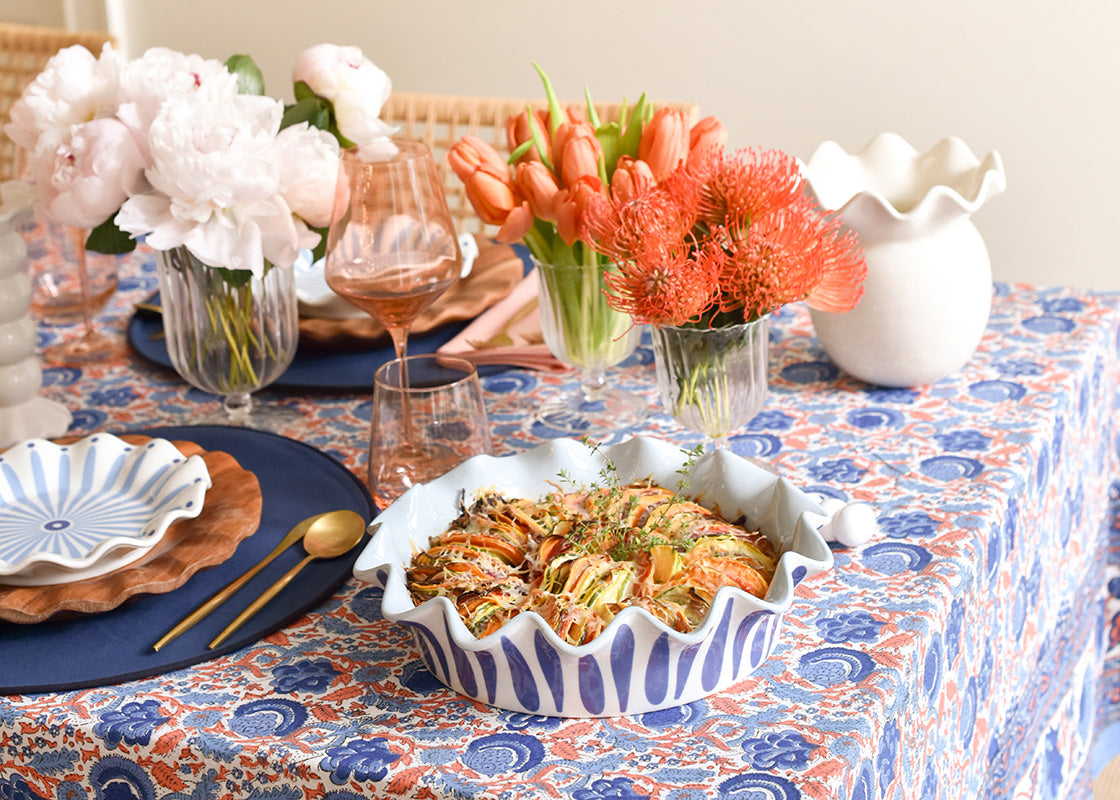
point(230, 513)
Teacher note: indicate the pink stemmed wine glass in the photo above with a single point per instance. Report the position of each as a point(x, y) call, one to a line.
point(391, 248)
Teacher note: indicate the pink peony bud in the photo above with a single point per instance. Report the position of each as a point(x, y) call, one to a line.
point(469, 153)
point(664, 142)
point(537, 185)
point(86, 177)
point(355, 86)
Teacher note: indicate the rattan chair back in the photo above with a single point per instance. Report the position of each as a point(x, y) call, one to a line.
point(24, 52)
point(442, 120)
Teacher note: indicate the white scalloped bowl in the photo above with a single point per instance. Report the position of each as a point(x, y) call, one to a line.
point(637, 664)
point(76, 511)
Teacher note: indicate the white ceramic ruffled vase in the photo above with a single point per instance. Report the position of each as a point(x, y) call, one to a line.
point(929, 281)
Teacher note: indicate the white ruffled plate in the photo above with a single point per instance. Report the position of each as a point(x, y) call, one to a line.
point(76, 511)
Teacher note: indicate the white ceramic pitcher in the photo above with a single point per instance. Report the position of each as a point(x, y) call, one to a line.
point(929, 280)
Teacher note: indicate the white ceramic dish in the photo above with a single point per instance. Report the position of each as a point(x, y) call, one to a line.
point(77, 511)
point(637, 664)
point(317, 300)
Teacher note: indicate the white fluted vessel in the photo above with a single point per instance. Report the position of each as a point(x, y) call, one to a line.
point(928, 291)
point(23, 413)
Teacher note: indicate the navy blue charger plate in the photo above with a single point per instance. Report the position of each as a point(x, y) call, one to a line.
point(313, 366)
point(82, 651)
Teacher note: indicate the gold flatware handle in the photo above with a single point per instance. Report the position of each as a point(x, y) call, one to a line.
point(188, 622)
point(259, 603)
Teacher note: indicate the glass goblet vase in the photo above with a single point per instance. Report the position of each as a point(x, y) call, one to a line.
point(228, 332)
point(712, 380)
point(70, 285)
point(582, 330)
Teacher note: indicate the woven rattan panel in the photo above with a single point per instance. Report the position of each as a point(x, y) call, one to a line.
point(24, 51)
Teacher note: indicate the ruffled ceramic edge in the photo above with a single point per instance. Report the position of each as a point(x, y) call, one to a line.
point(196, 480)
point(382, 562)
point(830, 159)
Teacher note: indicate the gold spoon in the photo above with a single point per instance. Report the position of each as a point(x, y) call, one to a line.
point(328, 537)
point(293, 536)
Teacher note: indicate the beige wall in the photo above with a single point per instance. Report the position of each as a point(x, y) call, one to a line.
point(1034, 80)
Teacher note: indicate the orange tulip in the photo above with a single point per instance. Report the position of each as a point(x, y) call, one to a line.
point(517, 224)
point(571, 205)
point(491, 194)
point(708, 132)
point(469, 153)
point(631, 177)
point(518, 132)
point(576, 152)
point(537, 185)
point(664, 142)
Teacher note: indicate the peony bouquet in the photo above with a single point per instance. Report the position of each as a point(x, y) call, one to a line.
point(188, 151)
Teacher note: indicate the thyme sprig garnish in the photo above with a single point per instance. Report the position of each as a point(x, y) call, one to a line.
point(615, 525)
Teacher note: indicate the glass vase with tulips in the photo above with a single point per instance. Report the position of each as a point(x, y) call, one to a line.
point(562, 161)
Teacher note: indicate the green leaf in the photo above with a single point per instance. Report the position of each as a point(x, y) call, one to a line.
point(109, 239)
point(610, 137)
point(592, 114)
point(555, 112)
point(313, 110)
point(538, 140)
point(302, 91)
point(320, 249)
point(235, 278)
point(520, 150)
point(249, 77)
point(634, 126)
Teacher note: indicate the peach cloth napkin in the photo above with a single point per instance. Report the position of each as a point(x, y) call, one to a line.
point(509, 332)
point(496, 272)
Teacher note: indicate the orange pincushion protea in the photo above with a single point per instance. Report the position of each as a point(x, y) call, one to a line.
point(727, 238)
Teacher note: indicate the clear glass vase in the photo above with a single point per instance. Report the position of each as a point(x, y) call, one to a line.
point(712, 380)
point(228, 333)
point(583, 331)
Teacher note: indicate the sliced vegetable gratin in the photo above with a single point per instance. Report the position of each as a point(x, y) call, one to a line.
point(577, 558)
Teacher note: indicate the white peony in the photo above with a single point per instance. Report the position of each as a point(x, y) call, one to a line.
point(161, 74)
point(352, 83)
point(73, 88)
point(84, 178)
point(216, 185)
point(308, 160)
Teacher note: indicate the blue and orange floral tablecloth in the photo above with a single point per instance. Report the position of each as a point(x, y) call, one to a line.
point(970, 649)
